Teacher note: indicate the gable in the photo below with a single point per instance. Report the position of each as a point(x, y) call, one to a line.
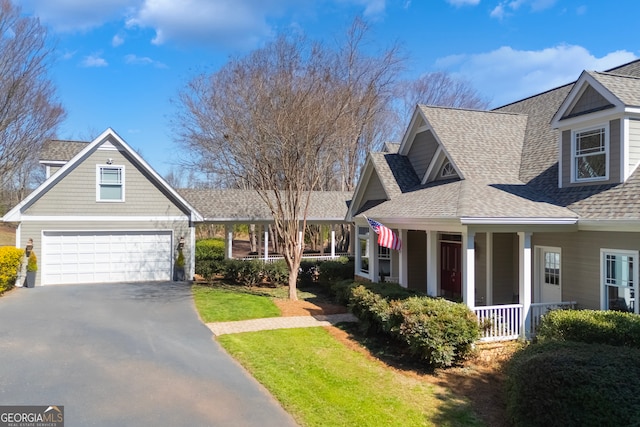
point(422, 150)
point(374, 189)
point(75, 193)
point(589, 101)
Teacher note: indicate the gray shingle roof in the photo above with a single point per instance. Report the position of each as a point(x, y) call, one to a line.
point(625, 88)
point(482, 144)
point(510, 164)
point(246, 205)
point(59, 150)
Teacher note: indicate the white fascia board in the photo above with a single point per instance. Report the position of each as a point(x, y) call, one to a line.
point(52, 162)
point(409, 134)
point(517, 221)
point(365, 176)
point(100, 218)
point(587, 119)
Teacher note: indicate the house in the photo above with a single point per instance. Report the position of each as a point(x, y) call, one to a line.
point(517, 210)
point(104, 215)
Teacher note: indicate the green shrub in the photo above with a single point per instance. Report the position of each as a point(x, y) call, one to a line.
point(246, 273)
point(591, 326)
point(209, 268)
point(10, 260)
point(180, 260)
point(435, 330)
point(336, 270)
point(307, 272)
point(341, 291)
point(573, 384)
point(370, 308)
point(276, 273)
point(209, 249)
point(438, 331)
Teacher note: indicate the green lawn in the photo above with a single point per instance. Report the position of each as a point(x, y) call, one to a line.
point(321, 382)
point(225, 305)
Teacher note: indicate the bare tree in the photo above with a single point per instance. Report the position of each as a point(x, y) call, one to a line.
point(437, 88)
point(279, 119)
point(29, 112)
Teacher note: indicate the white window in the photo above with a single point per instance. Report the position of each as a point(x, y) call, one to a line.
point(551, 268)
point(110, 183)
point(619, 276)
point(363, 250)
point(590, 154)
point(384, 261)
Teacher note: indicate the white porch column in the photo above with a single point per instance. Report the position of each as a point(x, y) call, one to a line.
point(228, 244)
point(300, 240)
point(259, 246)
point(333, 242)
point(469, 268)
point(192, 252)
point(374, 268)
point(266, 242)
point(403, 262)
point(432, 263)
point(524, 271)
point(489, 261)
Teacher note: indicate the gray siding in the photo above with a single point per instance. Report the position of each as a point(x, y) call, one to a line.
point(589, 101)
point(374, 190)
point(580, 269)
point(417, 260)
point(422, 149)
point(505, 268)
point(75, 194)
point(615, 145)
point(634, 144)
point(34, 229)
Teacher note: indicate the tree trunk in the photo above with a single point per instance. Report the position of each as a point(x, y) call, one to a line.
point(293, 282)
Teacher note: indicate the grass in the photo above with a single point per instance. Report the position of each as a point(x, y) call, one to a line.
point(321, 382)
point(225, 305)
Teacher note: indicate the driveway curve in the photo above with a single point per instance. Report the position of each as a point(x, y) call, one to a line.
point(124, 355)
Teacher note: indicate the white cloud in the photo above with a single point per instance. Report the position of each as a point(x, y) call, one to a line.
point(459, 3)
point(117, 40)
point(142, 60)
point(509, 7)
point(73, 15)
point(507, 75)
point(94, 60)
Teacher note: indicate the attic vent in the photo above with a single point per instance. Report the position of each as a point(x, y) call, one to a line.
point(448, 171)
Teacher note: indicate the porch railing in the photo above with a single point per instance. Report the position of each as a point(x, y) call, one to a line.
point(503, 322)
point(539, 309)
point(499, 322)
point(274, 258)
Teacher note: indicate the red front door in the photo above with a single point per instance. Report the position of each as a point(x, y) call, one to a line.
point(450, 270)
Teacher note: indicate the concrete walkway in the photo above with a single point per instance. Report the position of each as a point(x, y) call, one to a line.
point(253, 325)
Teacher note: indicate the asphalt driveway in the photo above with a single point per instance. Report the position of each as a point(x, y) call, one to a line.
point(124, 355)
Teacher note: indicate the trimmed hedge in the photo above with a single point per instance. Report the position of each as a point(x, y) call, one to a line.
point(574, 384)
point(10, 260)
point(591, 326)
point(210, 249)
point(434, 330)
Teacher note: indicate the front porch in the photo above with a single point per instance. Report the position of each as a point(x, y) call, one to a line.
point(508, 282)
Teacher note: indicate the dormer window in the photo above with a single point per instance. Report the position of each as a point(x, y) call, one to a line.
point(590, 149)
point(110, 183)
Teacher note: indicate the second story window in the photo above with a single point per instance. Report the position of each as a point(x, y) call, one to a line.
point(110, 183)
point(590, 149)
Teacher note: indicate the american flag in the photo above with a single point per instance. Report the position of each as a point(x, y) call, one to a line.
point(386, 237)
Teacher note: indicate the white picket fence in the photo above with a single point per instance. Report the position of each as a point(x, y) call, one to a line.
point(274, 258)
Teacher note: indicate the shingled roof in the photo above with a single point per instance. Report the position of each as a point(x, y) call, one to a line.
point(61, 150)
point(508, 159)
point(224, 205)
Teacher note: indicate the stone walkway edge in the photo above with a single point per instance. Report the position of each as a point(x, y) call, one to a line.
point(254, 325)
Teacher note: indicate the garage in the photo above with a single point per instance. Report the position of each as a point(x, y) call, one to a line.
point(105, 256)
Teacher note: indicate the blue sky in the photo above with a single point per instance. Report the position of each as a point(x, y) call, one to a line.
point(120, 62)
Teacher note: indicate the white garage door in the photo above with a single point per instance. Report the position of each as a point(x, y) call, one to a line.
point(96, 257)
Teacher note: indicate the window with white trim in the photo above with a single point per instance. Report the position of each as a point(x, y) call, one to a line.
point(384, 261)
point(110, 183)
point(590, 154)
point(552, 268)
point(363, 250)
point(619, 271)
